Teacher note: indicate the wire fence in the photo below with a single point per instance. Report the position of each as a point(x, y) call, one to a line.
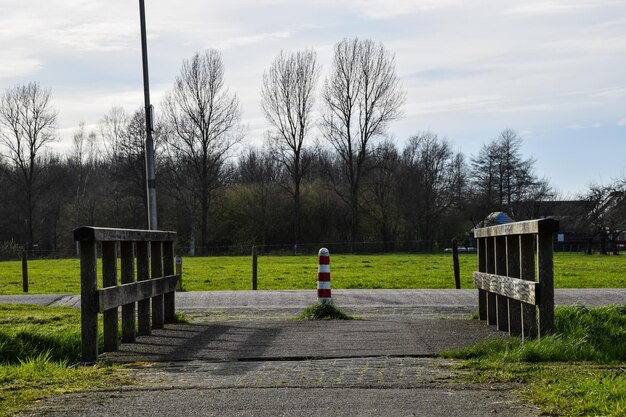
point(16, 252)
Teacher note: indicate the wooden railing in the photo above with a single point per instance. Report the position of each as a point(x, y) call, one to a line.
point(156, 281)
point(509, 296)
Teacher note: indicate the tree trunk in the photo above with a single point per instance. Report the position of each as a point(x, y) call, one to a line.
point(204, 213)
point(354, 224)
point(192, 236)
point(296, 213)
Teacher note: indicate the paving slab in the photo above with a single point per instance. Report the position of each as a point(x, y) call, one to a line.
point(283, 340)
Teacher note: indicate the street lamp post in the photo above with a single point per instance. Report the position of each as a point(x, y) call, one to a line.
point(149, 113)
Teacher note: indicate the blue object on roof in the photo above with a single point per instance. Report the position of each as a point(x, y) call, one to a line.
point(496, 218)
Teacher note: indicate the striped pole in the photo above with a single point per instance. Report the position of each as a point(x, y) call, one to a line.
point(323, 278)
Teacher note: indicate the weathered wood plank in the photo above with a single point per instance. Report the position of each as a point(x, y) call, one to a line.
point(528, 272)
point(101, 234)
point(541, 226)
point(545, 268)
point(156, 270)
point(112, 297)
point(513, 271)
point(502, 302)
point(109, 279)
point(518, 289)
point(143, 273)
point(129, 331)
point(89, 301)
point(490, 265)
point(482, 267)
point(169, 298)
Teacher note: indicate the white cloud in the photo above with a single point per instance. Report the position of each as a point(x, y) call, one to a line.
point(251, 39)
point(97, 37)
point(387, 9)
point(17, 63)
point(532, 8)
point(621, 122)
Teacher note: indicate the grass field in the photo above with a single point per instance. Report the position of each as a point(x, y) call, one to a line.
point(578, 371)
point(299, 272)
point(39, 348)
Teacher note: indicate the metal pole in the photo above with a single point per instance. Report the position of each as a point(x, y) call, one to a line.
point(455, 263)
point(150, 171)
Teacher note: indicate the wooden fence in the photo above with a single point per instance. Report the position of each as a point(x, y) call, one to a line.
point(509, 296)
point(150, 296)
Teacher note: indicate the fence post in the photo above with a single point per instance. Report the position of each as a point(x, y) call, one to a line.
point(482, 267)
point(323, 277)
point(143, 273)
point(455, 261)
point(545, 268)
point(527, 271)
point(169, 299)
point(25, 271)
point(88, 301)
point(491, 269)
point(128, 276)
point(156, 271)
point(502, 304)
point(254, 268)
point(513, 271)
point(109, 279)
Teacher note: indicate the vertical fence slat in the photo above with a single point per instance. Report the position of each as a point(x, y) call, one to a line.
point(156, 264)
point(502, 303)
point(25, 271)
point(455, 264)
point(143, 273)
point(482, 267)
point(491, 269)
point(545, 268)
point(128, 276)
point(169, 299)
point(89, 301)
point(527, 271)
point(109, 279)
point(254, 267)
point(513, 271)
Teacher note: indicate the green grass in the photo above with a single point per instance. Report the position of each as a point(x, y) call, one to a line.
point(393, 271)
point(39, 353)
point(578, 371)
point(322, 311)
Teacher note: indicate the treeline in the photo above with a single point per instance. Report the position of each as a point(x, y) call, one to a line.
point(326, 173)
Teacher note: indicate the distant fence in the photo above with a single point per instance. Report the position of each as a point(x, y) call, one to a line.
point(156, 282)
point(13, 252)
point(508, 295)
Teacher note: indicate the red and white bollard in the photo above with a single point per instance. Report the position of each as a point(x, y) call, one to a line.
point(323, 277)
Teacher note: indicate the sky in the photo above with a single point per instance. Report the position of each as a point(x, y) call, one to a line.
point(554, 71)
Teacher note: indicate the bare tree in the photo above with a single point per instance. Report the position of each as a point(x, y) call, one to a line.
point(502, 178)
point(381, 194)
point(27, 125)
point(431, 179)
point(205, 121)
point(287, 99)
point(361, 96)
point(113, 127)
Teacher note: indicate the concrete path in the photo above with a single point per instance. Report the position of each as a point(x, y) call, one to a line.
point(242, 357)
point(355, 299)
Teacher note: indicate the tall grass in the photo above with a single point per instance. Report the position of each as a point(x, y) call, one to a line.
point(580, 370)
point(581, 334)
point(28, 332)
point(39, 348)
